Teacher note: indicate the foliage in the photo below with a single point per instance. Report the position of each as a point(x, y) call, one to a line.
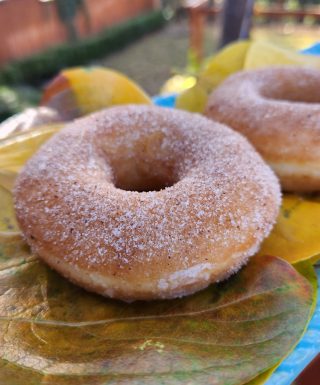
point(80, 91)
point(39, 67)
point(227, 334)
point(295, 236)
point(15, 151)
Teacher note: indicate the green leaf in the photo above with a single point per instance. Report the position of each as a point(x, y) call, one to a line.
point(16, 150)
point(52, 332)
point(306, 269)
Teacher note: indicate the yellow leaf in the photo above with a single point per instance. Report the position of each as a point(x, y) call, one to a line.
point(225, 334)
point(7, 217)
point(16, 150)
point(263, 54)
point(178, 83)
point(28, 119)
point(194, 99)
point(217, 68)
point(295, 236)
point(227, 61)
point(80, 91)
point(7, 179)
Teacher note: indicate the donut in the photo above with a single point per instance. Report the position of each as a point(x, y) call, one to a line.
point(141, 202)
point(278, 110)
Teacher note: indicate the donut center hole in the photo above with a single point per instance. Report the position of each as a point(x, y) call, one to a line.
point(307, 92)
point(297, 98)
point(142, 182)
point(143, 163)
point(143, 173)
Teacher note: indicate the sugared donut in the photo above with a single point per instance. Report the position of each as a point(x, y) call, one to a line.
point(278, 110)
point(139, 202)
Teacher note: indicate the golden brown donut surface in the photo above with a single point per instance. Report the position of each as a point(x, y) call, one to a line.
point(212, 201)
point(278, 110)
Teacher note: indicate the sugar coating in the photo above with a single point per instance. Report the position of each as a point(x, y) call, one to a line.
point(223, 199)
point(277, 108)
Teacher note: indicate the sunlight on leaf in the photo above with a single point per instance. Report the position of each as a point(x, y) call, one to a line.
point(227, 333)
point(264, 54)
point(27, 120)
point(306, 269)
point(82, 90)
point(295, 236)
point(227, 61)
point(15, 151)
point(216, 69)
point(178, 83)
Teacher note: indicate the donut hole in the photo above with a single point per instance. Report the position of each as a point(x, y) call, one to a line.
point(299, 91)
point(135, 178)
point(143, 185)
point(146, 165)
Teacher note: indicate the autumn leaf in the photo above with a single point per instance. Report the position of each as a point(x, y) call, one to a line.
point(224, 63)
point(177, 84)
point(7, 179)
point(27, 120)
point(56, 333)
point(16, 150)
point(263, 54)
point(7, 217)
point(306, 269)
point(295, 236)
point(217, 68)
point(82, 90)
point(193, 99)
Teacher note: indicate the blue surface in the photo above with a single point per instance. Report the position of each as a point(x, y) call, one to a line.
point(309, 346)
point(313, 50)
point(165, 101)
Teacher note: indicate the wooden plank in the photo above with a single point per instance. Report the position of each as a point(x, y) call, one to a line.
point(274, 12)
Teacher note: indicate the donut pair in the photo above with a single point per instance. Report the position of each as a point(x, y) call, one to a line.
point(138, 202)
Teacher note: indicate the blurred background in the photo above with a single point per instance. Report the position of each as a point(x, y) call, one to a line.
point(148, 40)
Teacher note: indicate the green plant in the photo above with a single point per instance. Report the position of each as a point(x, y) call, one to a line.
point(13, 100)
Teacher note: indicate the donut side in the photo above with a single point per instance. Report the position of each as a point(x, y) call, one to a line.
point(278, 110)
point(218, 201)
